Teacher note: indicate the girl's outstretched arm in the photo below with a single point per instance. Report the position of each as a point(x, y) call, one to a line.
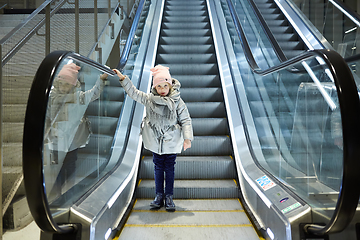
point(131, 90)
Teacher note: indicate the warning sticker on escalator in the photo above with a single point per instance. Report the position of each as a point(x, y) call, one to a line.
point(265, 183)
point(292, 207)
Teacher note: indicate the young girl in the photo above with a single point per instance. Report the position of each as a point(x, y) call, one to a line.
point(166, 128)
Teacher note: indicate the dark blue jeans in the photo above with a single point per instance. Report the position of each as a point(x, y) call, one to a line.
point(164, 164)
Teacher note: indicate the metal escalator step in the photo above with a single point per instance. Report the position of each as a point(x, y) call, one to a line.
point(269, 11)
point(13, 132)
point(185, 13)
point(209, 146)
point(182, 2)
point(292, 45)
point(278, 22)
point(201, 94)
point(111, 93)
point(281, 30)
point(210, 126)
point(197, 205)
point(287, 37)
point(277, 107)
point(293, 53)
point(266, 4)
point(108, 108)
point(188, 32)
point(187, 19)
point(98, 143)
point(181, 48)
point(194, 7)
point(197, 81)
point(205, 146)
point(193, 189)
point(103, 125)
point(196, 40)
point(206, 109)
point(186, 58)
point(274, 16)
point(185, 25)
point(88, 163)
point(193, 69)
point(198, 167)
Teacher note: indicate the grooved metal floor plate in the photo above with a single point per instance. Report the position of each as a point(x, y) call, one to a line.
point(193, 219)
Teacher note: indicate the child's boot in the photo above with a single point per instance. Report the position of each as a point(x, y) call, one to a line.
point(158, 201)
point(169, 203)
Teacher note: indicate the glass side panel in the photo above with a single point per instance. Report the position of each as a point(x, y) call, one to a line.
point(297, 123)
point(79, 130)
point(254, 33)
point(83, 119)
point(336, 27)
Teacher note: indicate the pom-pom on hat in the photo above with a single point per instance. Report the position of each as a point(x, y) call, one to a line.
point(161, 74)
point(69, 73)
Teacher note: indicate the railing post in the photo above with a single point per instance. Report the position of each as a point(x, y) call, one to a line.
point(1, 135)
point(95, 20)
point(47, 29)
point(77, 27)
point(122, 12)
point(128, 8)
point(109, 9)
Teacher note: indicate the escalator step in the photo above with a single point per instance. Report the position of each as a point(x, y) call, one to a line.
point(210, 126)
point(197, 81)
point(189, 32)
point(206, 109)
point(201, 95)
point(206, 146)
point(193, 69)
point(190, 167)
point(185, 40)
point(186, 58)
point(187, 19)
point(181, 48)
point(193, 189)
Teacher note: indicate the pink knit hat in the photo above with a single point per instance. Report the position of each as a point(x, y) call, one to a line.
point(160, 74)
point(69, 73)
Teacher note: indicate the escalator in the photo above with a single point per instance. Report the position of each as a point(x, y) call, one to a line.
point(264, 138)
point(205, 177)
point(296, 128)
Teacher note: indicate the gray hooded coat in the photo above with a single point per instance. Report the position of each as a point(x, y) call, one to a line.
point(167, 122)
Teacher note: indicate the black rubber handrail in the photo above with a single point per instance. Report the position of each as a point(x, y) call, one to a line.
point(129, 41)
point(353, 58)
point(33, 140)
point(350, 115)
point(278, 50)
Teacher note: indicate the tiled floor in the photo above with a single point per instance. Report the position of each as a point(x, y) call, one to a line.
point(29, 232)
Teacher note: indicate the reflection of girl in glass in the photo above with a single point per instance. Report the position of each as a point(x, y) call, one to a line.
point(68, 127)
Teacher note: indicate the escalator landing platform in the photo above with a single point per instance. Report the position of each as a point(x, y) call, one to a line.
point(193, 219)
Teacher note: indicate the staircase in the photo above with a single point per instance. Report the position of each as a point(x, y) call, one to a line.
point(17, 77)
point(205, 189)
